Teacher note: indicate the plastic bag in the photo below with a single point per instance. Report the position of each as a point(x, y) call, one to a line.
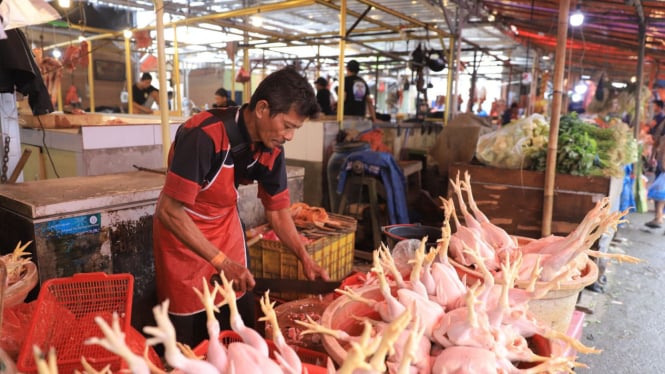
point(403, 252)
point(511, 146)
point(657, 189)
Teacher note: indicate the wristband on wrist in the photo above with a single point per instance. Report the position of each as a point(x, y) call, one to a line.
point(218, 260)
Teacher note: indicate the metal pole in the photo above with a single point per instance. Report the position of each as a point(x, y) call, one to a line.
point(163, 99)
point(449, 88)
point(342, 70)
point(177, 95)
point(128, 73)
point(247, 86)
point(552, 145)
point(91, 78)
point(640, 80)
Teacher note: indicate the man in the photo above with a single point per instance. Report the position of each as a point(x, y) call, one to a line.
point(323, 96)
point(144, 94)
point(222, 99)
point(357, 101)
point(197, 230)
point(658, 117)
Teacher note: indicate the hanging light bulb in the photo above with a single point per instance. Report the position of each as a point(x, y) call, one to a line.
point(577, 18)
point(56, 53)
point(64, 3)
point(127, 33)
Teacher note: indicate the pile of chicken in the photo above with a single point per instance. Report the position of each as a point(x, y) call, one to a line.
point(249, 356)
point(15, 263)
point(455, 329)
point(552, 257)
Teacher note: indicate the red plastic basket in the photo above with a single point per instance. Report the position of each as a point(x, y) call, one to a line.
point(314, 362)
point(64, 319)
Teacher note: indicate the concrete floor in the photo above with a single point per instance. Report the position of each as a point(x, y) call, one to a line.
point(627, 320)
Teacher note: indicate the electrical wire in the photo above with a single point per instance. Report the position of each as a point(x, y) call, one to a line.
point(48, 153)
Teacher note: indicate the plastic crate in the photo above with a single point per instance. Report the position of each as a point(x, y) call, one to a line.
point(333, 250)
point(64, 319)
point(314, 362)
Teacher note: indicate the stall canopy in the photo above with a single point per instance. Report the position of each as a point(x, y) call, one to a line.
point(509, 32)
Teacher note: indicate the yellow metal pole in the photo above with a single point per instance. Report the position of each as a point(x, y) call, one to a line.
point(342, 70)
point(247, 87)
point(233, 75)
point(128, 73)
point(59, 96)
point(91, 78)
point(163, 99)
point(449, 87)
point(177, 95)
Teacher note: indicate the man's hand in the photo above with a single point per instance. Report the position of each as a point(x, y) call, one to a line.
point(313, 270)
point(242, 279)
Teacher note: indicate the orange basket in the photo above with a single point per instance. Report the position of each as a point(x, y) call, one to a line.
point(314, 362)
point(64, 319)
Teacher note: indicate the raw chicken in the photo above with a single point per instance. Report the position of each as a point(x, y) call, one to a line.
point(217, 354)
point(287, 357)
point(248, 335)
point(164, 333)
point(114, 341)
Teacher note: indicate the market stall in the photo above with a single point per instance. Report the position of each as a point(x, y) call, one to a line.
point(68, 145)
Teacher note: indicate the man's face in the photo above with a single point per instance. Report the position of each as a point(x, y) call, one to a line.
point(220, 100)
point(657, 109)
point(144, 83)
point(277, 130)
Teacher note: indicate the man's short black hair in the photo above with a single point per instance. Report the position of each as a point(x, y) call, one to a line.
point(659, 103)
point(353, 66)
point(222, 92)
point(146, 77)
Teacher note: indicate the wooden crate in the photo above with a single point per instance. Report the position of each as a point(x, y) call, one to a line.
point(513, 199)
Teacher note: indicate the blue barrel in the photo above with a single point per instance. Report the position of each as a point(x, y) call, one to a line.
point(340, 152)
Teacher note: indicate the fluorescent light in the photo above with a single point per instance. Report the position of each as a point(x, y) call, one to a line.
point(64, 3)
point(256, 21)
point(619, 85)
point(210, 26)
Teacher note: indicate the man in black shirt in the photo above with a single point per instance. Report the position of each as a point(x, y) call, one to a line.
point(222, 99)
point(144, 94)
point(323, 96)
point(356, 93)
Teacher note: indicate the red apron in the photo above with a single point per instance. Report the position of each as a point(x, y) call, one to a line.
point(177, 268)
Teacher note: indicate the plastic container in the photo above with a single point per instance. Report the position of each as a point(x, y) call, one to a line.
point(332, 250)
point(64, 319)
point(340, 152)
point(17, 292)
point(313, 362)
point(396, 233)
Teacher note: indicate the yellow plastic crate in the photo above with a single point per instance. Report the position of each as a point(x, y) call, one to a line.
point(334, 252)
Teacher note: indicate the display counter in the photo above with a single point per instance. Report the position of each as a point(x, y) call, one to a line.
point(86, 149)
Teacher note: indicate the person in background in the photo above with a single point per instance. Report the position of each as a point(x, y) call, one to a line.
point(657, 189)
point(510, 114)
point(197, 231)
point(323, 96)
point(222, 99)
point(144, 94)
point(357, 101)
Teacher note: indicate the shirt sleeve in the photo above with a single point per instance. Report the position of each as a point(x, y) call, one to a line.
point(193, 156)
